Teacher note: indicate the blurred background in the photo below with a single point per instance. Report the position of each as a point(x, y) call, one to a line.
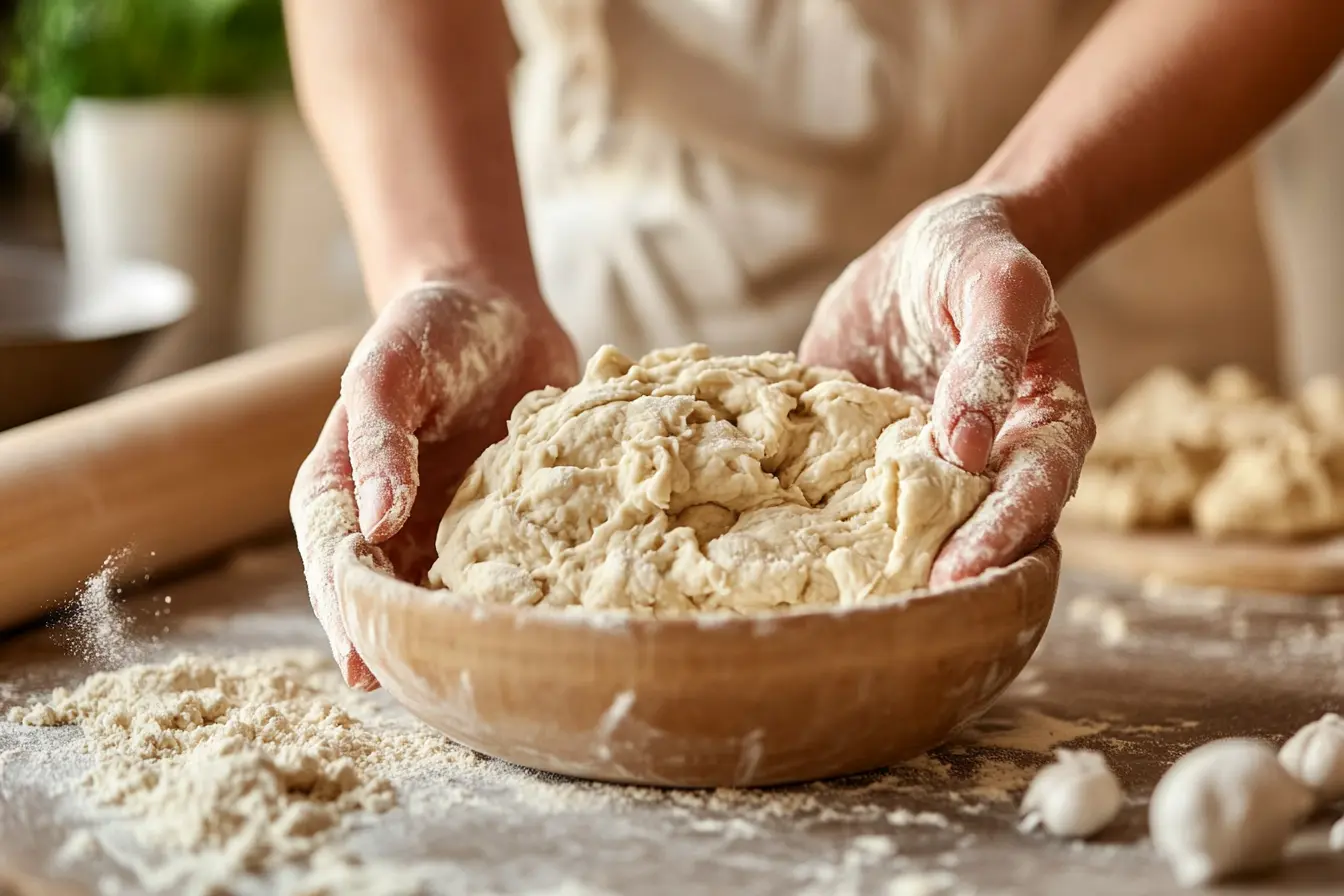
point(163, 131)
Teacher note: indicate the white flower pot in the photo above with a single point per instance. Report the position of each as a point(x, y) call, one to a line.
point(166, 181)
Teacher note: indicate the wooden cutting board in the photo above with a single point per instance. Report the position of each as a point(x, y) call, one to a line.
point(1181, 556)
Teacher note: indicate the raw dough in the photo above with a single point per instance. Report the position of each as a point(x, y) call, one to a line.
point(1226, 458)
point(1225, 808)
point(684, 482)
point(1076, 796)
point(1315, 756)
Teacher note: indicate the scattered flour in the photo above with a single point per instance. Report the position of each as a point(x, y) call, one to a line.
point(100, 629)
point(238, 765)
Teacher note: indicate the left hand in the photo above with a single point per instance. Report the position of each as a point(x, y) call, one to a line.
point(952, 306)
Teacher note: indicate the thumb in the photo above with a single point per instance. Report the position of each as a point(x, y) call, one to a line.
point(383, 392)
point(1003, 302)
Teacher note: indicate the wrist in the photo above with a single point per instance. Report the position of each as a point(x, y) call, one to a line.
point(1043, 216)
point(477, 276)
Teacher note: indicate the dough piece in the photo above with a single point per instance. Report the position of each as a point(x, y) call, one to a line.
point(1225, 808)
point(1138, 492)
point(1076, 796)
point(1321, 402)
point(1227, 458)
point(1337, 836)
point(1271, 490)
point(684, 482)
point(1315, 756)
point(1161, 411)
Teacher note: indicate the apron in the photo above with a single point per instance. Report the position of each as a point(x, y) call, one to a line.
point(701, 170)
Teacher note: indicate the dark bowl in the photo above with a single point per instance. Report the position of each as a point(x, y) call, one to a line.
point(62, 345)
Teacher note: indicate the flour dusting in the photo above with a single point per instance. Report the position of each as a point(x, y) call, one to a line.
point(235, 766)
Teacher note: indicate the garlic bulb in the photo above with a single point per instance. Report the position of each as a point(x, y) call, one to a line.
point(1224, 808)
point(1077, 796)
point(1315, 756)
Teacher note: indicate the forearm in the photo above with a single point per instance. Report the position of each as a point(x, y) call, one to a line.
point(408, 103)
point(1159, 95)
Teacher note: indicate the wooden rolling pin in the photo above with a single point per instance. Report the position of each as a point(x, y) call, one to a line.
point(174, 471)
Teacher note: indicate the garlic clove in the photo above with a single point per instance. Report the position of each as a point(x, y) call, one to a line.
point(1076, 796)
point(1315, 756)
point(1225, 808)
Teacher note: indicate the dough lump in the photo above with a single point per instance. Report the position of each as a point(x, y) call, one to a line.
point(1225, 458)
point(684, 482)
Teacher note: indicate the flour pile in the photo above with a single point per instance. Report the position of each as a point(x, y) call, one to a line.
point(240, 764)
point(684, 482)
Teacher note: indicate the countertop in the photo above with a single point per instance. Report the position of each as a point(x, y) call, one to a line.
point(1141, 672)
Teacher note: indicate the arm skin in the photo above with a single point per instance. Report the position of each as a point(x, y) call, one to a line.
point(1159, 95)
point(408, 103)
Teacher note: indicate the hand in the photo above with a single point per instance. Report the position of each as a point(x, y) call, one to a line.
point(952, 306)
point(431, 385)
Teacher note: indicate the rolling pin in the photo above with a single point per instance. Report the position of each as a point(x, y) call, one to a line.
point(173, 471)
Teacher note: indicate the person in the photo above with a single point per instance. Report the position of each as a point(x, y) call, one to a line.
point(951, 296)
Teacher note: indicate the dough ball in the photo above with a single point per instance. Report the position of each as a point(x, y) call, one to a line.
point(1322, 403)
point(1137, 492)
point(1225, 808)
point(1315, 756)
point(1076, 796)
point(684, 482)
point(1235, 384)
point(1275, 490)
point(1227, 458)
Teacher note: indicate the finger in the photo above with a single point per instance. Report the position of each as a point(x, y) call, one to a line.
point(1000, 308)
point(322, 507)
point(1038, 457)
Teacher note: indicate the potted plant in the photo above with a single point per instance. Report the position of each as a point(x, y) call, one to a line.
point(148, 106)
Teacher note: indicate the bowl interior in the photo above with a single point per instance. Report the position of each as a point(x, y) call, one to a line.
point(41, 303)
point(68, 344)
point(722, 700)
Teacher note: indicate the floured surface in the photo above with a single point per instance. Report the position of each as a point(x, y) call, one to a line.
point(1195, 666)
point(684, 482)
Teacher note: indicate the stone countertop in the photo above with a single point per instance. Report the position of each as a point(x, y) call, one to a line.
point(1141, 673)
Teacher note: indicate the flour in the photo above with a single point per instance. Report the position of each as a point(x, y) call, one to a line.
point(100, 629)
point(235, 766)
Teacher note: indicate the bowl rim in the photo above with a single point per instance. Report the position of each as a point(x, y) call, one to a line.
point(174, 298)
point(352, 561)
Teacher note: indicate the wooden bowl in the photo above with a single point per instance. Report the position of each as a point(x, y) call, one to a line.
point(715, 700)
point(66, 345)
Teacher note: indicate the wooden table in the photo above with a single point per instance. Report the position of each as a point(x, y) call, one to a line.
point(1143, 674)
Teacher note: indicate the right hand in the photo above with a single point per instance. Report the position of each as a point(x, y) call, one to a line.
point(428, 388)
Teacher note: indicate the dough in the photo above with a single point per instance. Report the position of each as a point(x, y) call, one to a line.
point(1225, 808)
point(684, 482)
point(1315, 756)
point(1226, 458)
point(1076, 796)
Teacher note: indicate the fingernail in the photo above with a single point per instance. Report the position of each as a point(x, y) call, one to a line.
point(971, 440)
point(374, 498)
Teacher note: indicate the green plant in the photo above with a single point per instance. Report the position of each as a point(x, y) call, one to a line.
point(66, 49)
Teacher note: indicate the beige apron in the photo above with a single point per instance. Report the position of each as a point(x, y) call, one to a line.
point(702, 169)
